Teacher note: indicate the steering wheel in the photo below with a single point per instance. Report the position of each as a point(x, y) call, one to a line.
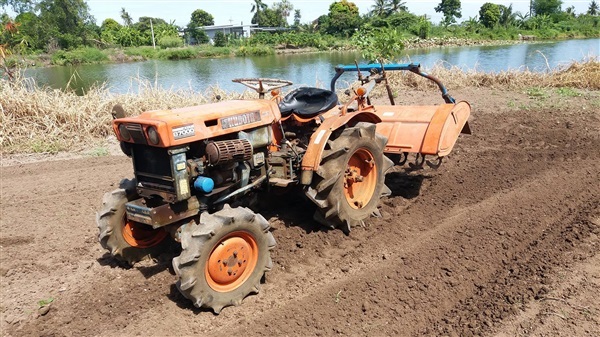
point(262, 85)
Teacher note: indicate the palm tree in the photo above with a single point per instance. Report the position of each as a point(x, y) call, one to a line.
point(593, 9)
point(380, 8)
point(257, 7)
point(507, 17)
point(396, 6)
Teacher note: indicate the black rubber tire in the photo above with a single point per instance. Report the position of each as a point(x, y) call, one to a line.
point(198, 242)
point(327, 187)
point(111, 219)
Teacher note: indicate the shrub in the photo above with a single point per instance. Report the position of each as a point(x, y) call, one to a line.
point(79, 56)
point(170, 42)
point(177, 53)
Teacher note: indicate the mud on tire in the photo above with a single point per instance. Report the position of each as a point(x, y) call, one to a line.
point(224, 257)
point(351, 178)
point(113, 228)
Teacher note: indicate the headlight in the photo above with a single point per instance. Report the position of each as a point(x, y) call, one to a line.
point(153, 135)
point(124, 132)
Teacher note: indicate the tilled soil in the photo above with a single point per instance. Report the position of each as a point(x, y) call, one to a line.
point(501, 240)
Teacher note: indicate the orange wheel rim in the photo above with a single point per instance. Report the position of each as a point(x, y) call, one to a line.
point(360, 178)
point(231, 262)
point(142, 236)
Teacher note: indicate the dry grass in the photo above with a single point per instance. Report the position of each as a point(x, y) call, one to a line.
point(585, 75)
point(46, 120)
point(51, 120)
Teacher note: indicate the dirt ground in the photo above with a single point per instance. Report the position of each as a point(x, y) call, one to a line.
point(502, 240)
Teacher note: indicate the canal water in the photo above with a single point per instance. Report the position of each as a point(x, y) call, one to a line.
point(305, 69)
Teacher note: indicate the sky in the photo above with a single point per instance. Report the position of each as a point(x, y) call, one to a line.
point(238, 11)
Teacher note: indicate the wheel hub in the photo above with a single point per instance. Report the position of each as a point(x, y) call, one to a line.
point(142, 236)
point(231, 262)
point(360, 178)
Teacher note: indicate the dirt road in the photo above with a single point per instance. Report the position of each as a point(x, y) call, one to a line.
point(501, 240)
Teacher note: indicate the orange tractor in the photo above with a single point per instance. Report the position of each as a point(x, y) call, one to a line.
point(197, 169)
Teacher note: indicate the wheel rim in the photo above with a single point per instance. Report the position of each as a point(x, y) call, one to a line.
point(360, 178)
point(232, 261)
point(142, 236)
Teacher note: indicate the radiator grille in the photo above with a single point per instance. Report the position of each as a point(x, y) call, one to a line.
point(152, 167)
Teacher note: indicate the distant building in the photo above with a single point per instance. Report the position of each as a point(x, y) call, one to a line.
point(237, 30)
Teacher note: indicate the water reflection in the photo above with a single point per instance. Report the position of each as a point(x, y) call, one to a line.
point(304, 69)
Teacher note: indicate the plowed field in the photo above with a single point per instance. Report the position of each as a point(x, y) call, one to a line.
point(501, 240)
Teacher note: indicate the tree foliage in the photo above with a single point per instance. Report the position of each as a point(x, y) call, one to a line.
point(489, 14)
point(379, 44)
point(343, 19)
point(220, 39)
point(202, 18)
point(127, 20)
point(451, 10)
point(199, 19)
point(546, 7)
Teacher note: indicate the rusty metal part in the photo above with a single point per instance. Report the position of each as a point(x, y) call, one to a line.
point(262, 85)
point(227, 151)
point(162, 215)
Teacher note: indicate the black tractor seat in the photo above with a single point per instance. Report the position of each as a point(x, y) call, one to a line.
point(307, 102)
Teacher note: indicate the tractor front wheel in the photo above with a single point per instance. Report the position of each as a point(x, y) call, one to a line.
point(126, 240)
point(351, 178)
point(224, 257)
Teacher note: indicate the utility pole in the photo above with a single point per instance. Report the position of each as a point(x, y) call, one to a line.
point(530, 8)
point(152, 30)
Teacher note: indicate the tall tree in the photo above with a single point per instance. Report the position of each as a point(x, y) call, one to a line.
point(69, 21)
point(593, 9)
point(489, 14)
point(127, 20)
point(257, 7)
point(297, 17)
point(202, 18)
point(451, 10)
point(343, 18)
point(199, 19)
point(507, 16)
point(546, 7)
point(19, 6)
point(397, 6)
point(379, 8)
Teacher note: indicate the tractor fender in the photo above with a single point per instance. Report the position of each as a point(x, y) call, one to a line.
point(316, 146)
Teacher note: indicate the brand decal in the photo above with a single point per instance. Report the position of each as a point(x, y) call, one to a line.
point(184, 131)
point(237, 120)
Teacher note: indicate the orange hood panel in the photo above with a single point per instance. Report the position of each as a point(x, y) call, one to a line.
point(184, 125)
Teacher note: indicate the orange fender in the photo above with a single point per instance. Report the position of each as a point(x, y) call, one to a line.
point(312, 157)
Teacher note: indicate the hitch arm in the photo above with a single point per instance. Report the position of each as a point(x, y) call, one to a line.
point(412, 67)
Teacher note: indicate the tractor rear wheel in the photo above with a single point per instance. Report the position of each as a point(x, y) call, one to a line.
point(224, 257)
point(126, 240)
point(351, 177)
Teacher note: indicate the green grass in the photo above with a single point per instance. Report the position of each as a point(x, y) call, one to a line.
point(43, 145)
point(567, 92)
point(99, 151)
point(84, 55)
point(537, 93)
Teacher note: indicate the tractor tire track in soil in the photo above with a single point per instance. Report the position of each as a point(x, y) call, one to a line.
point(464, 250)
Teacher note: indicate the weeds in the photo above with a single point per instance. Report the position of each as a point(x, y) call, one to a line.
point(45, 302)
point(567, 92)
point(537, 93)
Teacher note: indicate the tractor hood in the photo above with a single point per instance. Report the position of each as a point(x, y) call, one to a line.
point(167, 128)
